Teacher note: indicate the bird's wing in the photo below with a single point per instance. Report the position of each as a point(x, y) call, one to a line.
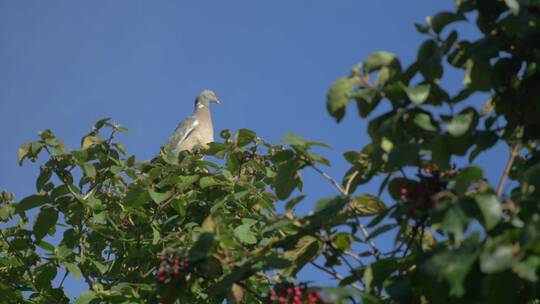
point(182, 132)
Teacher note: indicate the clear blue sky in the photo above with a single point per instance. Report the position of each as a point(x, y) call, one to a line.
point(66, 64)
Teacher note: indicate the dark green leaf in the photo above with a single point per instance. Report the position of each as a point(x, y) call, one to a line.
point(466, 177)
point(202, 247)
point(45, 221)
point(31, 201)
point(442, 19)
point(287, 179)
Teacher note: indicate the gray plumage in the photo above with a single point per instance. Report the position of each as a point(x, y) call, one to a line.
point(195, 130)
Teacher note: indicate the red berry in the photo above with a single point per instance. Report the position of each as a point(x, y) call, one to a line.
point(161, 278)
point(176, 261)
point(290, 290)
point(282, 300)
point(404, 191)
point(273, 293)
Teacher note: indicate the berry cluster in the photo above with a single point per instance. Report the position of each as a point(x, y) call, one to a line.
point(419, 196)
point(172, 264)
point(290, 294)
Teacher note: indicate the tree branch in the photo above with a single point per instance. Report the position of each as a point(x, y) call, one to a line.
point(513, 153)
point(336, 275)
point(19, 257)
point(363, 229)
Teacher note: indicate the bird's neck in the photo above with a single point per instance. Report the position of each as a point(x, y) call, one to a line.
point(203, 112)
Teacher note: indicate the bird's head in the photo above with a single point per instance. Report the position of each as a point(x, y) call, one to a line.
point(205, 98)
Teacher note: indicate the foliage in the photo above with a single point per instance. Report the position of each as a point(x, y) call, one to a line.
point(195, 231)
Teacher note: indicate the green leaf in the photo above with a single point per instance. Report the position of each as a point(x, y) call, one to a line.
point(245, 235)
point(44, 176)
point(244, 137)
point(463, 122)
point(478, 74)
point(159, 197)
point(513, 5)
point(338, 96)
point(367, 204)
point(89, 140)
point(89, 170)
point(22, 153)
point(155, 235)
point(102, 122)
point(45, 274)
point(424, 122)
point(466, 177)
point(453, 265)
point(418, 94)
point(45, 221)
point(208, 181)
point(491, 209)
point(86, 297)
point(442, 19)
point(378, 60)
point(100, 267)
point(343, 241)
point(500, 259)
point(202, 247)
point(429, 60)
point(286, 179)
point(269, 262)
point(294, 139)
point(135, 198)
point(293, 202)
point(31, 201)
point(73, 269)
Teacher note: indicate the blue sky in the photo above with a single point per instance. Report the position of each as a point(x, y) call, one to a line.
point(66, 64)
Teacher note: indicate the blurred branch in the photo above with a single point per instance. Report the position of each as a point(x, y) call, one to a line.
point(513, 153)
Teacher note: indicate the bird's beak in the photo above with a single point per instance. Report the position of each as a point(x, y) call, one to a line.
point(217, 101)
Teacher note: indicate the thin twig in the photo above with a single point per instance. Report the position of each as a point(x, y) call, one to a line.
point(363, 229)
point(349, 181)
point(63, 279)
point(336, 275)
point(331, 180)
point(513, 153)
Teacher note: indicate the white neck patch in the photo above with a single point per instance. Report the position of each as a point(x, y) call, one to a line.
point(200, 106)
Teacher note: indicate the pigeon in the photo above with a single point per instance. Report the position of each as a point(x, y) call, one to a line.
point(197, 129)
